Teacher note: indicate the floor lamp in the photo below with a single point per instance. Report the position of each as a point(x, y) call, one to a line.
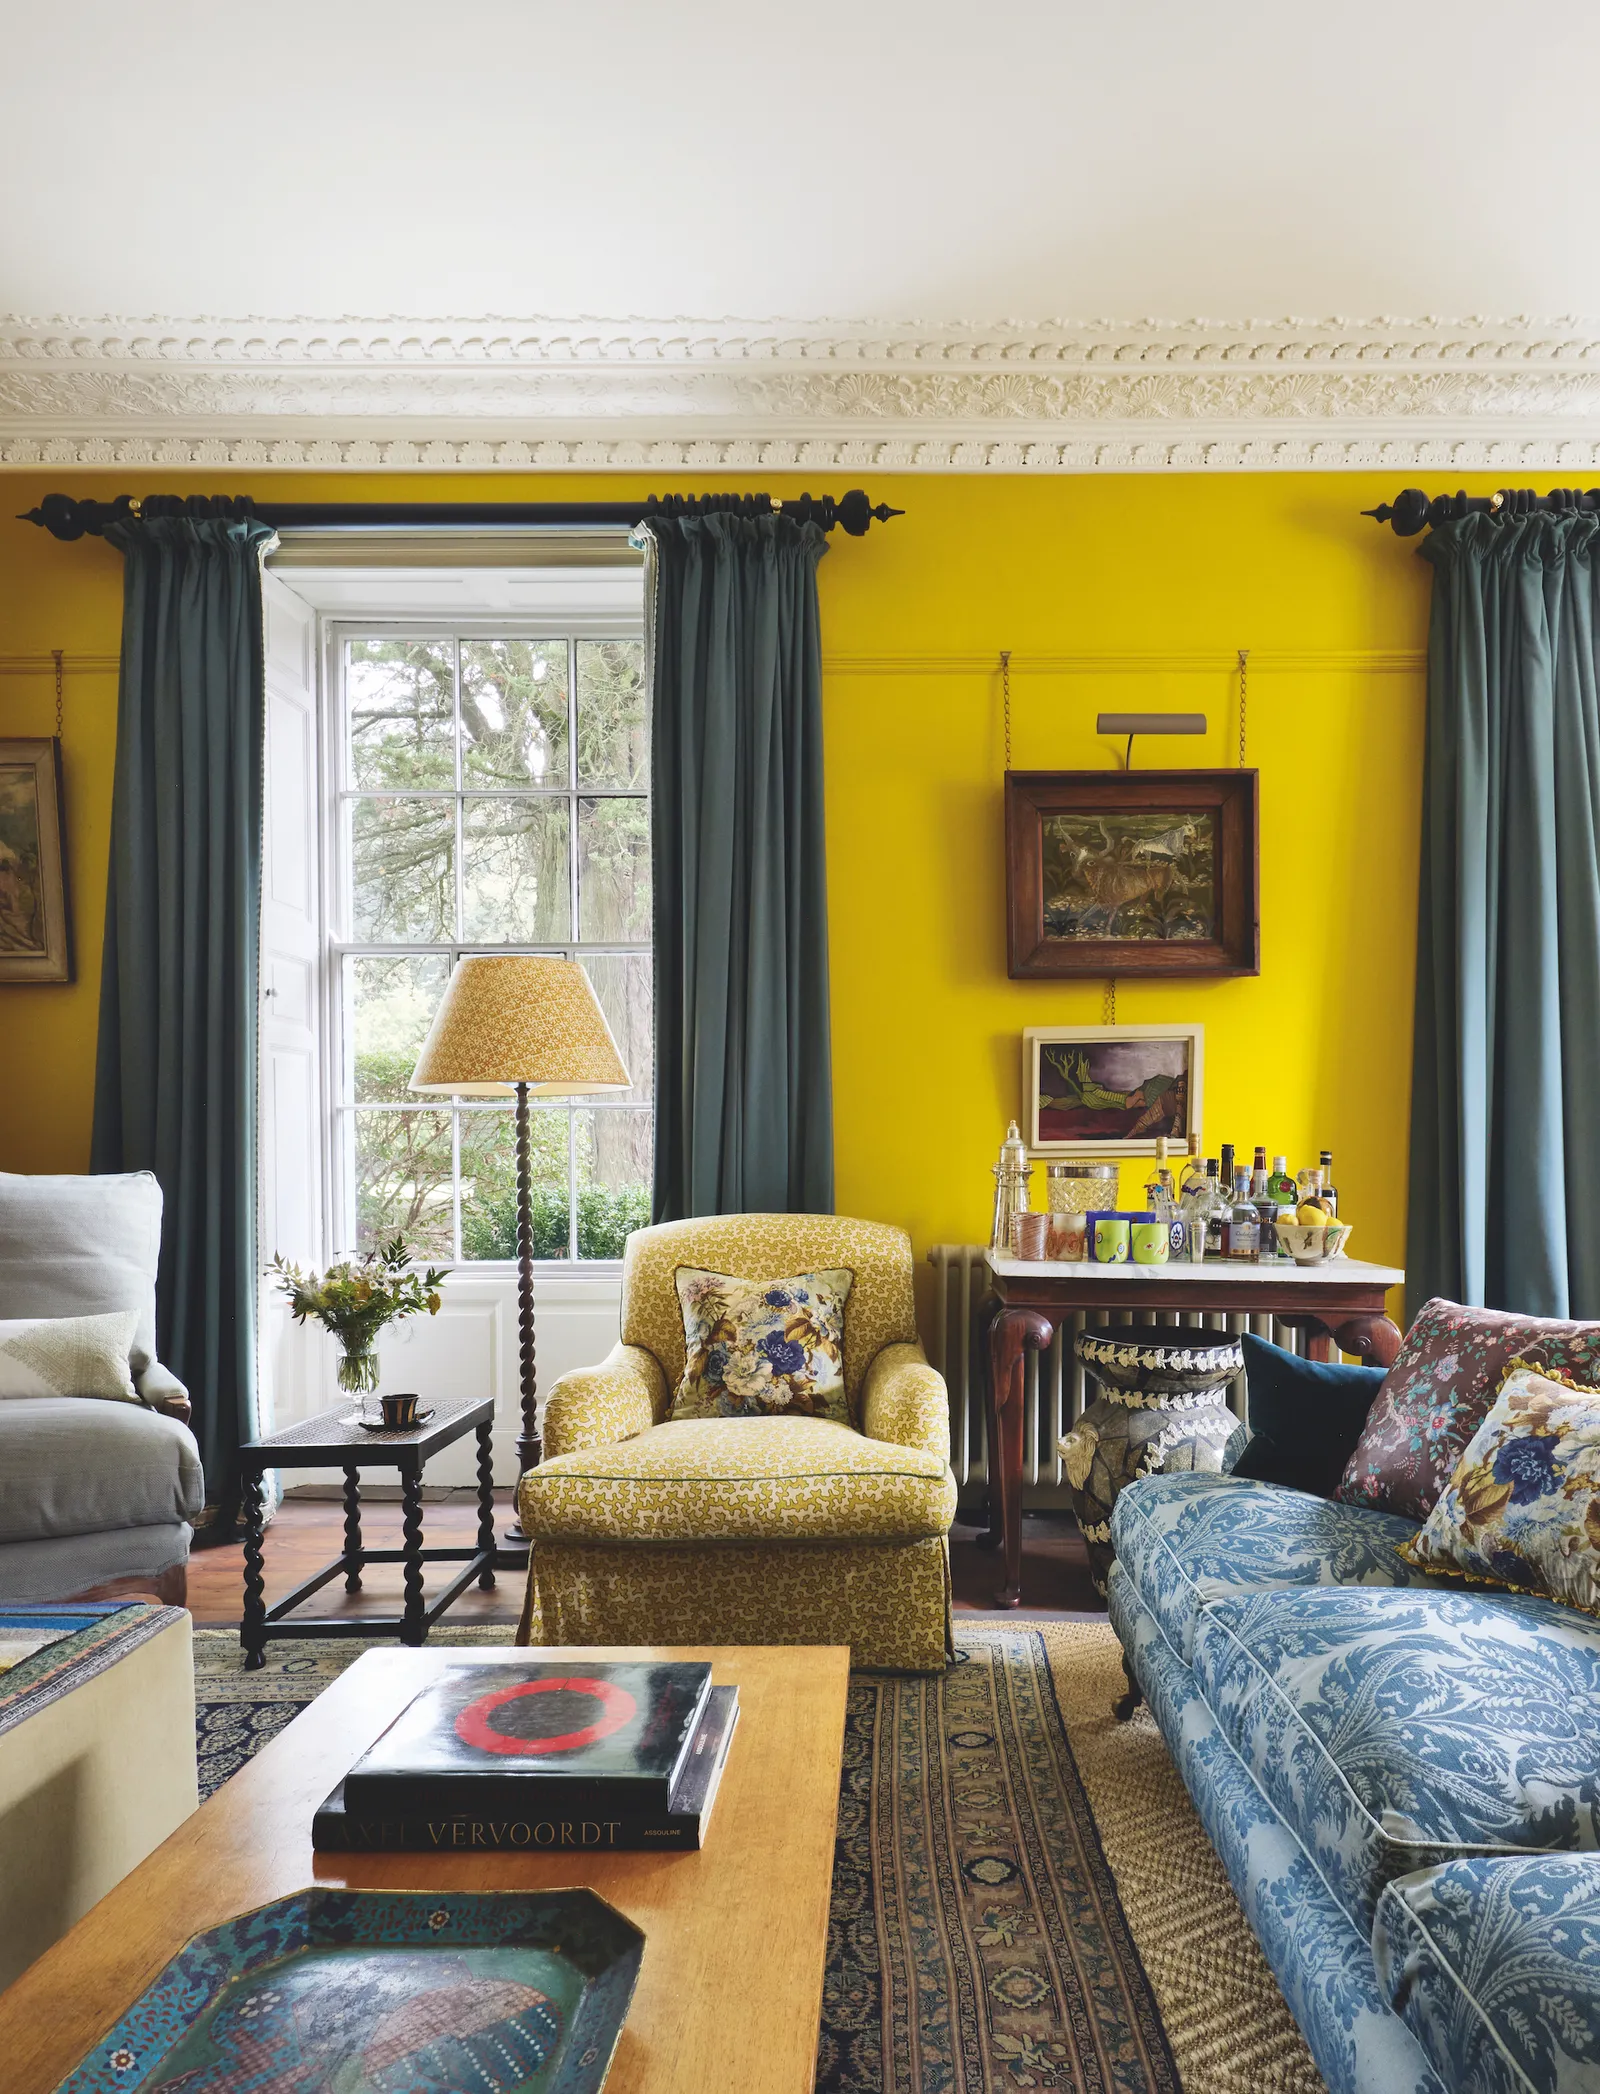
point(523, 1024)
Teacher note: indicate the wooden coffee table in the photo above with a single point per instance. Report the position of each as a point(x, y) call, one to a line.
point(730, 1990)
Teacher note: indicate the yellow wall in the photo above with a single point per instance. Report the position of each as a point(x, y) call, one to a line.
point(1315, 1052)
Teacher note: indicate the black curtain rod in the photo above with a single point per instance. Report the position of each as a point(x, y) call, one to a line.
point(1412, 511)
point(66, 516)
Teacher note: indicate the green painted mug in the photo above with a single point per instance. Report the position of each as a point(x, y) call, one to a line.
point(1111, 1239)
point(1152, 1242)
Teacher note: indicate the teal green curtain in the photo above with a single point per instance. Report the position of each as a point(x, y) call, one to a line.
point(175, 1083)
point(1505, 1111)
point(744, 1096)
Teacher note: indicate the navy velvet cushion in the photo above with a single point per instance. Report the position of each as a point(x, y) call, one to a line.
point(1305, 1417)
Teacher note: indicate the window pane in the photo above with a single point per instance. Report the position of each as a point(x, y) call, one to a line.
point(403, 855)
point(623, 981)
point(389, 1005)
point(401, 714)
point(514, 712)
point(613, 724)
point(614, 870)
point(402, 1172)
point(612, 1155)
point(489, 1183)
point(517, 878)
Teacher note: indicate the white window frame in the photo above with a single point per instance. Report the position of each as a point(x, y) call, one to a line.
point(338, 792)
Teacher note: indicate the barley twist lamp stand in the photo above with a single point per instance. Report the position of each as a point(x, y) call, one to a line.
point(525, 1024)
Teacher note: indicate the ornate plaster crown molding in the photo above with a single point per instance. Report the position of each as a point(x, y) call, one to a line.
point(639, 395)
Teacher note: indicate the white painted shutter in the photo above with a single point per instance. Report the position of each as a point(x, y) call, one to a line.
point(290, 1144)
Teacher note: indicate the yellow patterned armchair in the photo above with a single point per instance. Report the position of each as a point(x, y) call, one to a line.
point(748, 1530)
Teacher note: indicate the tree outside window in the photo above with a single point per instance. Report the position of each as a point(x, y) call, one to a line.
point(496, 798)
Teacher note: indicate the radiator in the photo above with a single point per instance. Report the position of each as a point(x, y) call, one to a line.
point(1054, 1394)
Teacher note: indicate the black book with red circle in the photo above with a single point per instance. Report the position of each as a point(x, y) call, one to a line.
point(557, 1737)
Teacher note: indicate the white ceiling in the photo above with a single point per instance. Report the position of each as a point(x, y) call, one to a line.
point(914, 159)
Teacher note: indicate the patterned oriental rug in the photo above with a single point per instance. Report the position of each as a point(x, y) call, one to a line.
point(1023, 1897)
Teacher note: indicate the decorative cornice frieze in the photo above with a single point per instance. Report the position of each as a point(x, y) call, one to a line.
point(739, 397)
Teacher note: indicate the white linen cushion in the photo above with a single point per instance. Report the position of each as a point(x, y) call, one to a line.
point(80, 1246)
point(68, 1356)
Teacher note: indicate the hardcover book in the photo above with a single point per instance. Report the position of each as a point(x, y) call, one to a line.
point(337, 1828)
point(544, 1740)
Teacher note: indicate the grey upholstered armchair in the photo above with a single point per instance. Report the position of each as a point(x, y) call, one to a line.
point(96, 1496)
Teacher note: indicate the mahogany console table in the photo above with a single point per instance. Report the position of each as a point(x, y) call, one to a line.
point(1340, 1305)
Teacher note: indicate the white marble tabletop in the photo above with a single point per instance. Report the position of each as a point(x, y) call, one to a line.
point(1337, 1272)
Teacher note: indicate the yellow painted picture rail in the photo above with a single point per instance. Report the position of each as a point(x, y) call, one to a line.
point(1399, 661)
point(71, 664)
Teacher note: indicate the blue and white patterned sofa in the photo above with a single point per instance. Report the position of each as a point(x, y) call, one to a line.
point(1401, 1778)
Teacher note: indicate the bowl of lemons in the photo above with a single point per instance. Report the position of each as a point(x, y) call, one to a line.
point(1315, 1235)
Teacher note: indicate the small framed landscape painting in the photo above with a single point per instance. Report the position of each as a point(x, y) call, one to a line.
point(1131, 872)
point(35, 945)
point(1111, 1090)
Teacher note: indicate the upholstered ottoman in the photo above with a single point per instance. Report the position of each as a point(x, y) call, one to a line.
point(97, 1758)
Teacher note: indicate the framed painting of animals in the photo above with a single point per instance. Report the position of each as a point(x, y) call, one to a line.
point(35, 935)
point(1111, 1090)
point(1131, 872)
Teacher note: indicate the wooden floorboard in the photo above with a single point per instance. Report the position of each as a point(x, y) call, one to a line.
point(308, 1533)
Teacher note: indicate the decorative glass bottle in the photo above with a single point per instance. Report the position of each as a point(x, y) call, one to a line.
point(1011, 1175)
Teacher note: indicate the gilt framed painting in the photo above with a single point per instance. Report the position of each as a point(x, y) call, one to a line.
point(1132, 872)
point(1111, 1090)
point(35, 933)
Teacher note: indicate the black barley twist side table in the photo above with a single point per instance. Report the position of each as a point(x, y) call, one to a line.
point(336, 1440)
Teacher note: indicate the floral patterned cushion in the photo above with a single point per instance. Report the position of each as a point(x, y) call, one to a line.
point(1495, 1967)
point(1438, 1392)
point(740, 1479)
point(1398, 1729)
point(1186, 1540)
point(1523, 1507)
point(753, 1347)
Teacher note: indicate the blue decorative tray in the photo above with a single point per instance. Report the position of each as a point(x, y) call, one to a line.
point(383, 1992)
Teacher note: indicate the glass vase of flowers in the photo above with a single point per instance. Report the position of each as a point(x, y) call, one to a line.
point(355, 1299)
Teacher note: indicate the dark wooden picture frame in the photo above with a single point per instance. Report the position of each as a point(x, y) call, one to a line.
point(1169, 837)
point(35, 928)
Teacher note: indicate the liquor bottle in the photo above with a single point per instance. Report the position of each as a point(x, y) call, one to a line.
point(1241, 1235)
point(1162, 1202)
point(1192, 1213)
point(1329, 1190)
point(1217, 1212)
point(1309, 1182)
point(1194, 1172)
point(1281, 1187)
point(1258, 1176)
point(1226, 1168)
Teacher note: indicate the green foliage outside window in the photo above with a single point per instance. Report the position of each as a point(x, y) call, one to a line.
point(553, 807)
point(606, 1219)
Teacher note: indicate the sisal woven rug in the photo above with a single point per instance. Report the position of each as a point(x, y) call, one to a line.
point(1023, 1897)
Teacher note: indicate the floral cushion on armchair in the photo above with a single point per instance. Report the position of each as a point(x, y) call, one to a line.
point(760, 1347)
point(1438, 1393)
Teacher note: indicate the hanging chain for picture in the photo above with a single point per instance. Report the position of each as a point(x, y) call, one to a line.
point(1005, 689)
point(1110, 1017)
point(61, 686)
point(1244, 693)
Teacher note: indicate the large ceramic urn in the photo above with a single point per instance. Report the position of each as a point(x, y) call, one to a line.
point(1162, 1406)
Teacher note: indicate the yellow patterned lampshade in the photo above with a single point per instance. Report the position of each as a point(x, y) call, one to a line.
point(516, 1018)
